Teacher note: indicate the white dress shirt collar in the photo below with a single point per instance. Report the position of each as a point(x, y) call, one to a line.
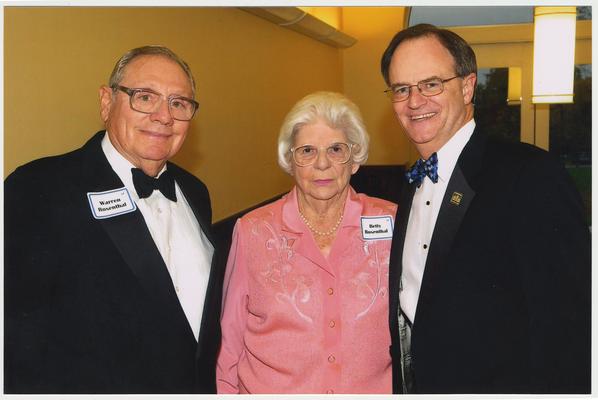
point(450, 152)
point(121, 165)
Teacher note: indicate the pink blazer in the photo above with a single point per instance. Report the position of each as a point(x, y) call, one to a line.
point(296, 322)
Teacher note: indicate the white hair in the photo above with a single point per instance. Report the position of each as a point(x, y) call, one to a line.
point(336, 111)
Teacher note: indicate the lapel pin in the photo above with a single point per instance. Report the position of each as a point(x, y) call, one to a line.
point(456, 198)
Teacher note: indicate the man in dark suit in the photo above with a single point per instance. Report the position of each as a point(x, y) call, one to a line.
point(490, 264)
point(108, 278)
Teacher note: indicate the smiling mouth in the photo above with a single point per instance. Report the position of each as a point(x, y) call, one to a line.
point(422, 116)
point(156, 134)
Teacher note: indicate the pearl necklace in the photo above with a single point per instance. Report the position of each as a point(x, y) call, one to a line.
point(320, 233)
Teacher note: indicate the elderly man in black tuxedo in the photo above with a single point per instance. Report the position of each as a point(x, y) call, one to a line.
point(108, 276)
point(490, 264)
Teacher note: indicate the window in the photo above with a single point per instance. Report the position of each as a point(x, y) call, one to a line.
point(492, 114)
point(472, 15)
point(584, 13)
point(480, 15)
point(571, 134)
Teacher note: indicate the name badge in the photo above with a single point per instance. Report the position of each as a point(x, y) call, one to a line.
point(111, 203)
point(376, 228)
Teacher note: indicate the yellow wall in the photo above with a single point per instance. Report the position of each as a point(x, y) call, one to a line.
point(249, 73)
point(331, 15)
point(374, 27)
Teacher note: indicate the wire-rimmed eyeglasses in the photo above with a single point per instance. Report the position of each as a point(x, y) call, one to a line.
point(427, 87)
point(305, 155)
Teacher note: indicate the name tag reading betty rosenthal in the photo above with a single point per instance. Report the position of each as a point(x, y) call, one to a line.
point(111, 203)
point(376, 228)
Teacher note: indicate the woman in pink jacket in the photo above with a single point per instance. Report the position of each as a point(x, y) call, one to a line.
point(305, 306)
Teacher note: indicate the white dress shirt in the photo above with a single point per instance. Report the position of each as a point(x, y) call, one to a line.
point(186, 250)
point(422, 219)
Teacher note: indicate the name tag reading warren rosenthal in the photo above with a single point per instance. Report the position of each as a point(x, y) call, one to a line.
point(111, 203)
point(376, 228)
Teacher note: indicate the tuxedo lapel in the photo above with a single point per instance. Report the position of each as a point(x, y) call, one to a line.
point(200, 204)
point(456, 200)
point(129, 232)
point(458, 196)
point(130, 235)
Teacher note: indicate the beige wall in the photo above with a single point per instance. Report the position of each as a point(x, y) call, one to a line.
point(249, 73)
point(374, 27)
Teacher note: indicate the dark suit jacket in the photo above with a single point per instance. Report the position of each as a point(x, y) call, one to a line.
point(89, 304)
point(504, 305)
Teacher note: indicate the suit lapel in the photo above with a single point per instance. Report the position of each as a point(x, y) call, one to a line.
point(459, 194)
point(456, 200)
point(129, 233)
point(200, 204)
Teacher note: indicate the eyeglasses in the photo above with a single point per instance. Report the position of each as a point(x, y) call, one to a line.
point(306, 155)
point(427, 87)
point(147, 101)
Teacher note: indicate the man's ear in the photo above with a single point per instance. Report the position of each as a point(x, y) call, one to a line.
point(105, 102)
point(469, 83)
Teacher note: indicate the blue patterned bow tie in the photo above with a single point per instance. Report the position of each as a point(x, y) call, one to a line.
point(421, 168)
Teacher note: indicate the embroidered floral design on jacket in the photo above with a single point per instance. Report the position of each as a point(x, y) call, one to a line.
point(293, 289)
point(377, 260)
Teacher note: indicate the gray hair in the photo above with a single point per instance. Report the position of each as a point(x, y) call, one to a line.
point(336, 111)
point(153, 50)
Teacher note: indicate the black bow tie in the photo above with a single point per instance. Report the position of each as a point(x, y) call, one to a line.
point(145, 185)
point(423, 168)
